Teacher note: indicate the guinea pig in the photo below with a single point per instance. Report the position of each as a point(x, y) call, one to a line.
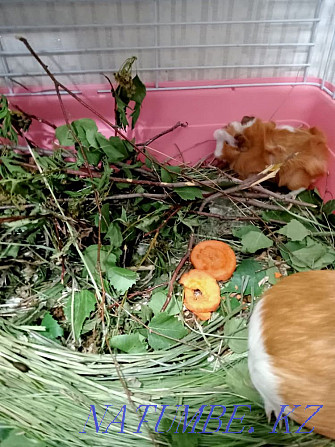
point(252, 145)
point(291, 344)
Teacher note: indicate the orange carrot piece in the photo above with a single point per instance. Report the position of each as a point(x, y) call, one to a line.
point(215, 257)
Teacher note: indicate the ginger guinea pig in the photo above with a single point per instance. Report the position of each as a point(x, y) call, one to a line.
point(252, 145)
point(292, 349)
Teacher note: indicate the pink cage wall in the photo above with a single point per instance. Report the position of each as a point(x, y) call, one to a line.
point(205, 110)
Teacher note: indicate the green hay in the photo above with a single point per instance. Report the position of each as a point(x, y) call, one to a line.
point(49, 404)
point(51, 401)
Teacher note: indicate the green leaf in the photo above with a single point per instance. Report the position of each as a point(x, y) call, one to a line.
point(246, 278)
point(121, 279)
point(158, 299)
point(93, 156)
point(11, 251)
point(270, 272)
point(244, 229)
point(145, 314)
point(89, 325)
point(307, 254)
point(165, 324)
point(234, 302)
point(105, 220)
point(181, 439)
point(276, 215)
point(175, 435)
point(294, 230)
point(17, 439)
point(255, 240)
point(189, 192)
point(12, 168)
point(53, 329)
point(86, 124)
point(237, 327)
point(166, 176)
point(104, 182)
point(107, 258)
point(238, 380)
point(175, 169)
point(135, 114)
point(84, 128)
point(64, 136)
point(130, 343)
point(78, 309)
point(91, 138)
point(140, 90)
point(147, 223)
point(121, 117)
point(114, 235)
point(113, 147)
point(329, 207)
point(310, 196)
point(190, 222)
point(4, 432)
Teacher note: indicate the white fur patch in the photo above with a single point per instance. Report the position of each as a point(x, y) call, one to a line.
point(259, 363)
point(240, 127)
point(222, 136)
point(289, 128)
point(237, 126)
point(249, 123)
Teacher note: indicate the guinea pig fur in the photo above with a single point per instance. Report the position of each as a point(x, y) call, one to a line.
point(252, 145)
point(292, 349)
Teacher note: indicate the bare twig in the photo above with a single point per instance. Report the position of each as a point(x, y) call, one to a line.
point(170, 129)
point(114, 96)
point(255, 203)
point(176, 272)
point(144, 171)
point(34, 117)
point(233, 218)
point(96, 174)
point(261, 189)
point(157, 230)
point(136, 195)
point(59, 85)
point(146, 291)
point(15, 218)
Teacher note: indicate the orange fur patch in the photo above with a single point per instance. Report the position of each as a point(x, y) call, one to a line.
point(299, 336)
point(304, 153)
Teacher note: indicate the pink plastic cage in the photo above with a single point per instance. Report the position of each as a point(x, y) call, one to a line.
point(205, 110)
point(204, 62)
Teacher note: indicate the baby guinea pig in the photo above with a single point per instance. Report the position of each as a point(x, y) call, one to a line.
point(252, 145)
point(292, 349)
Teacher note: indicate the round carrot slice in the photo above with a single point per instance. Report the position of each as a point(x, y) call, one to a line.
point(207, 299)
point(215, 257)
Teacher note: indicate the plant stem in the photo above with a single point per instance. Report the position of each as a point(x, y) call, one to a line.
point(176, 272)
point(161, 134)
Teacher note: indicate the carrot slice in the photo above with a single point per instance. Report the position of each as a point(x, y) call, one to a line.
point(208, 299)
point(215, 257)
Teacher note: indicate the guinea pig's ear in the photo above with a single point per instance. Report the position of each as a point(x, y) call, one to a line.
point(246, 119)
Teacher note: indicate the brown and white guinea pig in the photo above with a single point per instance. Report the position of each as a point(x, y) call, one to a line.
point(292, 348)
point(251, 145)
